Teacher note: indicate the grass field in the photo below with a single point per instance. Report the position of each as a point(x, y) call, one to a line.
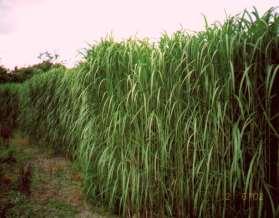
point(186, 127)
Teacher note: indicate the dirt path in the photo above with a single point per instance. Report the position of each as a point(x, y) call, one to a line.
point(55, 188)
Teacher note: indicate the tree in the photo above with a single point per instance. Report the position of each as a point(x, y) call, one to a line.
point(48, 62)
point(4, 76)
point(48, 57)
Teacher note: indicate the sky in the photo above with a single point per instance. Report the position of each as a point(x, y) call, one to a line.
point(66, 27)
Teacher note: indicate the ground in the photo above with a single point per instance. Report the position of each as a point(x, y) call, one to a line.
point(55, 188)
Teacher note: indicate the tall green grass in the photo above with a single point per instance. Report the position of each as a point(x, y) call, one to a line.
point(9, 105)
point(180, 128)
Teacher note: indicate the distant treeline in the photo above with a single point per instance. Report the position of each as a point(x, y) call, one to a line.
point(19, 75)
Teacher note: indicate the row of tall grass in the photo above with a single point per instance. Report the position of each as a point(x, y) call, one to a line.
point(180, 128)
point(9, 105)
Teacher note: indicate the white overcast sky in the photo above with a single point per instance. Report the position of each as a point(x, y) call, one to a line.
point(28, 27)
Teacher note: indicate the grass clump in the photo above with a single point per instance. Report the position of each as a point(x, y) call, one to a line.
point(183, 127)
point(9, 101)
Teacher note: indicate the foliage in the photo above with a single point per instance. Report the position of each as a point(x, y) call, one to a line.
point(182, 127)
point(24, 73)
point(9, 101)
point(19, 75)
point(4, 76)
